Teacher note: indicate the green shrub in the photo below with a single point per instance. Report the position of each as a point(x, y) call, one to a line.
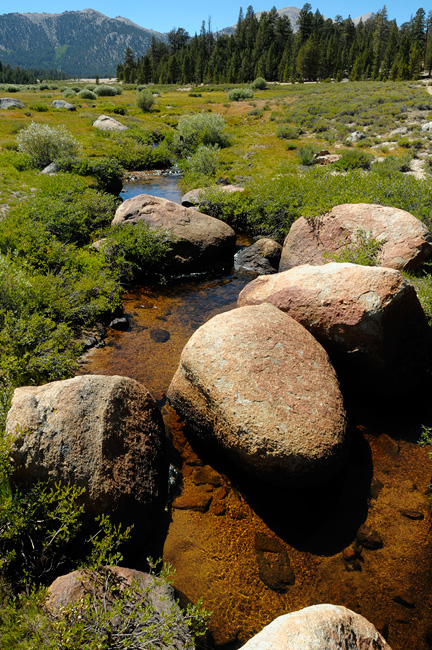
point(240, 94)
point(136, 250)
point(392, 164)
point(353, 159)
point(69, 210)
point(106, 91)
point(38, 107)
point(307, 154)
point(12, 89)
point(195, 95)
point(67, 94)
point(145, 100)
point(363, 250)
point(87, 94)
point(204, 161)
point(201, 128)
point(45, 143)
point(285, 132)
point(90, 87)
point(119, 110)
point(43, 87)
point(259, 84)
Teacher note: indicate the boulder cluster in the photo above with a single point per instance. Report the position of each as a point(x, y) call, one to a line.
point(260, 383)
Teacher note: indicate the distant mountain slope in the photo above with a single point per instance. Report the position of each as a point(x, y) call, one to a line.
point(293, 14)
point(82, 43)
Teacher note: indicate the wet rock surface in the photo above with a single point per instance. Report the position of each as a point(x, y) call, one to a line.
point(407, 243)
point(261, 257)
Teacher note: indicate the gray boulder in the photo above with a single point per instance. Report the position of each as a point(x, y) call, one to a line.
point(9, 102)
point(194, 197)
point(261, 257)
point(198, 240)
point(60, 103)
point(355, 136)
point(106, 123)
point(73, 588)
point(255, 383)
point(102, 433)
point(320, 627)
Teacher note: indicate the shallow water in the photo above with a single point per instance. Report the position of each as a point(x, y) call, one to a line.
point(255, 552)
point(164, 185)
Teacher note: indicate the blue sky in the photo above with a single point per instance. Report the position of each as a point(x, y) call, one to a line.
point(166, 14)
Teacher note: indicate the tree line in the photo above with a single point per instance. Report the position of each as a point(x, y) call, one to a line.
point(9, 75)
point(268, 47)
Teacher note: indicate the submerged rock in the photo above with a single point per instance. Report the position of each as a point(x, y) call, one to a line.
point(320, 627)
point(254, 382)
point(261, 257)
point(406, 242)
point(368, 318)
point(198, 240)
point(102, 433)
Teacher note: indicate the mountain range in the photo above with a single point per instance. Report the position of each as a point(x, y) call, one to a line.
point(83, 43)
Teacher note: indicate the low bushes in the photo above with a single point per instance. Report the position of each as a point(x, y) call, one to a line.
point(201, 128)
point(107, 91)
point(259, 84)
point(145, 100)
point(239, 94)
point(45, 143)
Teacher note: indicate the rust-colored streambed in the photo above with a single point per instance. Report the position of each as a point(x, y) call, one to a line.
point(254, 552)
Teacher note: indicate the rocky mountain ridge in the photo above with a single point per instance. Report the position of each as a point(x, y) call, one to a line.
point(82, 43)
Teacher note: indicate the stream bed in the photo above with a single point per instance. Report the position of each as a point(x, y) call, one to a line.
point(254, 552)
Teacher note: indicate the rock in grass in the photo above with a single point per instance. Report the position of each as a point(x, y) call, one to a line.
point(329, 627)
point(60, 103)
point(254, 382)
point(195, 197)
point(102, 433)
point(106, 123)
point(10, 102)
point(406, 242)
point(198, 240)
point(368, 318)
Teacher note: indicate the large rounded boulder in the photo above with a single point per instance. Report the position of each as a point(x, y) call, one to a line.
point(102, 433)
point(198, 240)
point(320, 627)
point(406, 242)
point(368, 318)
point(257, 384)
point(107, 123)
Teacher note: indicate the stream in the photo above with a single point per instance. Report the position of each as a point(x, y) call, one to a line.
point(254, 552)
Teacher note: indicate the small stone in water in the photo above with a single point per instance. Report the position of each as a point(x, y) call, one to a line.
point(159, 335)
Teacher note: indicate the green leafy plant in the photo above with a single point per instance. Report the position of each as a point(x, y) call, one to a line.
point(136, 250)
point(363, 250)
point(204, 161)
point(85, 93)
point(45, 143)
point(307, 154)
point(285, 132)
point(145, 100)
point(201, 128)
point(353, 159)
point(259, 84)
point(240, 94)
